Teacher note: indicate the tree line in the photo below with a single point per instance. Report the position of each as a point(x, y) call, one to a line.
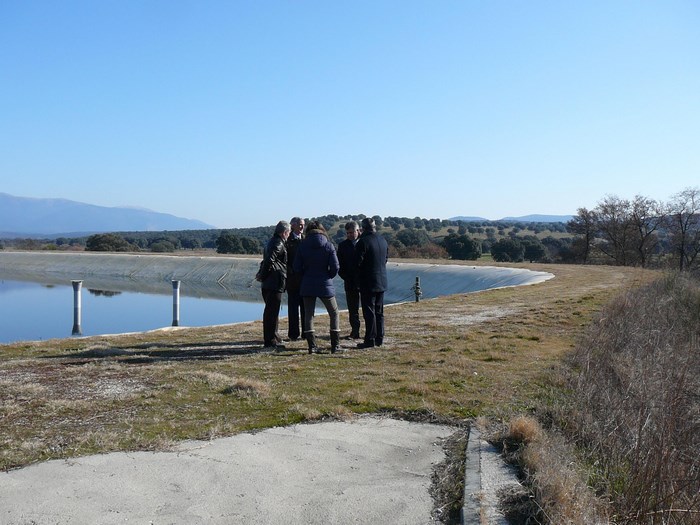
point(640, 232)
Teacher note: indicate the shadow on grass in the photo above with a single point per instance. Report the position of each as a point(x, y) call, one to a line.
point(150, 353)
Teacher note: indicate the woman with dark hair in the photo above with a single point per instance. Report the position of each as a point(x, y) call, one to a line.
point(317, 262)
point(274, 280)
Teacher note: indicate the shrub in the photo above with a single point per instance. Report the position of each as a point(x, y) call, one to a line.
point(637, 409)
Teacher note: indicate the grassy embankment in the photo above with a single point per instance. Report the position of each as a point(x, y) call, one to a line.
point(494, 354)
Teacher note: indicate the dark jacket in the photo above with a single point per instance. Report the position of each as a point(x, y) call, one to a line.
point(275, 265)
point(293, 278)
point(317, 262)
point(346, 258)
point(371, 255)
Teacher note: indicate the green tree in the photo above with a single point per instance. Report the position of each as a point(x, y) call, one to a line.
point(507, 250)
point(250, 245)
point(533, 249)
point(412, 237)
point(227, 242)
point(107, 242)
point(162, 246)
point(462, 247)
point(191, 244)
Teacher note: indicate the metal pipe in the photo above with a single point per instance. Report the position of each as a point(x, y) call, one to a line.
point(416, 289)
point(176, 303)
point(77, 307)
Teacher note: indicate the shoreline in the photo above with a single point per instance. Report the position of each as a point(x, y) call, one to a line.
point(232, 277)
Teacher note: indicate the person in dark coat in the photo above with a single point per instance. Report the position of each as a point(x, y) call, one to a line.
point(371, 255)
point(294, 301)
point(317, 262)
point(274, 281)
point(348, 273)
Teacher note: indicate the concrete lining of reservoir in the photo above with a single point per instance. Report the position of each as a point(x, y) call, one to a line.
point(231, 277)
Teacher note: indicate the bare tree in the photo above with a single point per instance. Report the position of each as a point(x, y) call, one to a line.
point(585, 224)
point(616, 229)
point(646, 217)
point(683, 223)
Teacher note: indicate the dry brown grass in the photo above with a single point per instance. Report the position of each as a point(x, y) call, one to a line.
point(495, 354)
point(636, 410)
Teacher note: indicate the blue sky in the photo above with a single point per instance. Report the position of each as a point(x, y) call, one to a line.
point(241, 113)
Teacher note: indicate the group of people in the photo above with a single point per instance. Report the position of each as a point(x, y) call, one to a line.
point(302, 260)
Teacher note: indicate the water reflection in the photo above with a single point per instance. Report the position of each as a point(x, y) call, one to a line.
point(32, 311)
point(103, 293)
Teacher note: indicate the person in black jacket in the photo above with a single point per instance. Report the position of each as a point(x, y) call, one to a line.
point(274, 281)
point(348, 272)
point(295, 304)
point(371, 255)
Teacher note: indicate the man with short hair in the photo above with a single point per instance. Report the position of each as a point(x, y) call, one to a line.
point(295, 304)
point(348, 272)
point(371, 256)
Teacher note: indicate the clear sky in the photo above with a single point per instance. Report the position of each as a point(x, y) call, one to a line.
point(241, 113)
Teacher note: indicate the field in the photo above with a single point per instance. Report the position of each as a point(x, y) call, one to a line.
point(493, 354)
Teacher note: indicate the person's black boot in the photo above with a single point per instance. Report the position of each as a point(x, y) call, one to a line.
point(335, 341)
point(311, 339)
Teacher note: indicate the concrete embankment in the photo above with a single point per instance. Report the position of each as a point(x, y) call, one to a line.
point(233, 277)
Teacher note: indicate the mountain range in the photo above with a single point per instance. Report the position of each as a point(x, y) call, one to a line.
point(30, 217)
point(523, 218)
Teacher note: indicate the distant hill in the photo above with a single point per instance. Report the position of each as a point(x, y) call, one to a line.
point(524, 218)
point(467, 219)
point(28, 217)
point(540, 218)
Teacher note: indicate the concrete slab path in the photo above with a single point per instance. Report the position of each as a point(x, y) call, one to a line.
point(366, 471)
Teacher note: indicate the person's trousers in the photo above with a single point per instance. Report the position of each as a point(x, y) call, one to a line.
point(373, 314)
point(271, 316)
point(352, 297)
point(310, 308)
point(296, 314)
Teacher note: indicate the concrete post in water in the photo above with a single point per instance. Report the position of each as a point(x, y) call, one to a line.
point(77, 307)
point(176, 303)
point(416, 289)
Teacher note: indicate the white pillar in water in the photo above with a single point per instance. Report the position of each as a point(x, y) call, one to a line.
point(176, 303)
point(77, 307)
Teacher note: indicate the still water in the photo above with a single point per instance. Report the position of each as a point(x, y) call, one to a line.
point(134, 293)
point(31, 311)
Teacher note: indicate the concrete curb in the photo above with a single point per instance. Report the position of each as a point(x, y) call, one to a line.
point(471, 509)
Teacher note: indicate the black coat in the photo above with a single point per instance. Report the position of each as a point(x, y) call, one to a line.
point(371, 256)
point(346, 258)
point(275, 265)
point(293, 278)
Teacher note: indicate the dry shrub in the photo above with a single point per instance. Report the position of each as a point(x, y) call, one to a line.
point(558, 494)
point(227, 385)
point(306, 413)
point(524, 429)
point(560, 491)
point(243, 387)
point(637, 408)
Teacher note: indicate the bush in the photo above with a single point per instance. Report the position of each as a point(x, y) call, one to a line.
point(507, 250)
point(637, 409)
point(107, 242)
point(462, 247)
